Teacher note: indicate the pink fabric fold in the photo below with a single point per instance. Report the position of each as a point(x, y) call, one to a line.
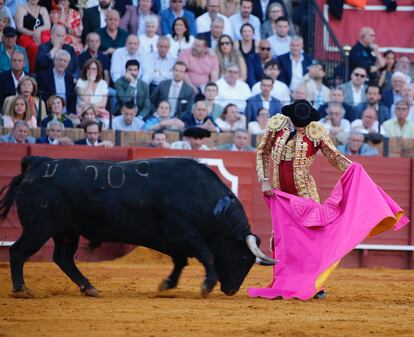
point(311, 238)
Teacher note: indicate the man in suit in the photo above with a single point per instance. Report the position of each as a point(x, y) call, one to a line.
point(294, 64)
point(200, 118)
point(47, 51)
point(129, 88)
point(393, 95)
point(216, 30)
point(354, 90)
point(10, 79)
point(19, 134)
point(94, 17)
point(373, 101)
point(58, 81)
point(54, 136)
point(263, 100)
point(179, 94)
point(93, 132)
point(336, 96)
point(176, 10)
point(240, 142)
point(258, 9)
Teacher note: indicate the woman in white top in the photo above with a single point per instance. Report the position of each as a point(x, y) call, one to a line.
point(180, 37)
point(258, 127)
point(92, 89)
point(231, 119)
point(149, 40)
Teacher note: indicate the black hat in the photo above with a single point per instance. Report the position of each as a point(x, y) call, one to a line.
point(301, 113)
point(9, 31)
point(196, 132)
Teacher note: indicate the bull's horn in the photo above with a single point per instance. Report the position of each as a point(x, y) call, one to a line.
point(252, 244)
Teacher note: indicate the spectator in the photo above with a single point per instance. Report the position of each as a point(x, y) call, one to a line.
point(204, 22)
point(176, 10)
point(229, 7)
point(112, 37)
point(193, 139)
point(399, 126)
point(197, 7)
point(384, 81)
point(162, 120)
point(262, 9)
point(214, 109)
point(226, 53)
point(179, 94)
point(70, 18)
point(403, 65)
point(93, 42)
point(19, 110)
point(373, 100)
point(408, 96)
point(8, 47)
point(55, 105)
point(133, 20)
point(158, 65)
point(268, 27)
point(263, 100)
point(245, 16)
point(27, 87)
point(33, 24)
point(203, 66)
point(54, 136)
point(231, 119)
point(299, 93)
point(148, 40)
point(7, 15)
point(19, 134)
point(280, 41)
point(356, 146)
point(240, 142)
point(122, 55)
point(280, 91)
point(159, 140)
point(94, 17)
point(180, 37)
point(93, 133)
point(354, 90)
point(294, 64)
point(265, 53)
point(368, 122)
point(127, 120)
point(91, 89)
point(318, 93)
point(259, 126)
point(393, 95)
point(88, 114)
point(199, 118)
point(365, 54)
point(59, 81)
point(337, 96)
point(213, 35)
point(48, 50)
point(130, 89)
point(4, 22)
point(334, 121)
point(9, 79)
point(231, 89)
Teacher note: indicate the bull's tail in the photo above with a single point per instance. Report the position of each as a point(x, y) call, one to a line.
point(10, 192)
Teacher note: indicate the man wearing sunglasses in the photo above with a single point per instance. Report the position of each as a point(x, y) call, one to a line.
point(354, 90)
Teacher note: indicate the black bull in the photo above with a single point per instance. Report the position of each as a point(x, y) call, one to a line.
point(176, 206)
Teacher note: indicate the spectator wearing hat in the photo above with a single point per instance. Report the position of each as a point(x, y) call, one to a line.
point(193, 139)
point(7, 47)
point(127, 120)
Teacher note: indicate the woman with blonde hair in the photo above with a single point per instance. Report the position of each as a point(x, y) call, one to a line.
point(27, 87)
point(227, 54)
point(19, 109)
point(55, 105)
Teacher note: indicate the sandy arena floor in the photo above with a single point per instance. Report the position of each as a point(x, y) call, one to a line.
point(361, 302)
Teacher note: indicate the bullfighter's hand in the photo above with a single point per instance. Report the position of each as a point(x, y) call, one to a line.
point(267, 188)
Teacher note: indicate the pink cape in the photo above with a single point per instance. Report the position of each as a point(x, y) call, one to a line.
point(311, 238)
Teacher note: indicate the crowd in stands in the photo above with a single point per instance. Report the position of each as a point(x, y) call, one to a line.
point(198, 67)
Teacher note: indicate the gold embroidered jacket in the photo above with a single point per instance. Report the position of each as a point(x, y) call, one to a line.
point(301, 150)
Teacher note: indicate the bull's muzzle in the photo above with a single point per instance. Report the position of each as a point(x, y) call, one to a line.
point(252, 244)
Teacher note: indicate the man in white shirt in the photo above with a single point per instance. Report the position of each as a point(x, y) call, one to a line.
point(280, 42)
point(122, 55)
point(157, 66)
point(127, 121)
point(203, 22)
point(368, 122)
point(231, 89)
point(239, 19)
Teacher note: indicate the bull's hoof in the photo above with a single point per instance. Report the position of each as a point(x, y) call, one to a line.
point(207, 288)
point(166, 285)
point(23, 293)
point(90, 291)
